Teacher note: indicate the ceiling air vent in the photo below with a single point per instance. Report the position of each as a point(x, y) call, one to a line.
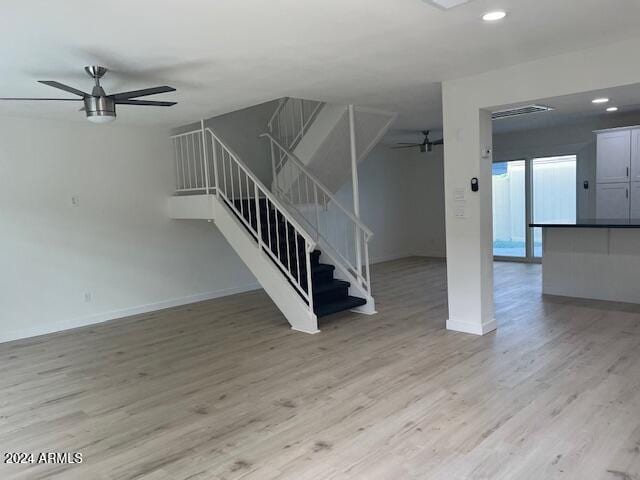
point(447, 4)
point(515, 112)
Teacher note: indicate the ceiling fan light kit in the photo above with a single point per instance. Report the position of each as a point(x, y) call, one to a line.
point(100, 109)
point(98, 106)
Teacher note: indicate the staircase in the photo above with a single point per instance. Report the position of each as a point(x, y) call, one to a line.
point(330, 295)
point(306, 272)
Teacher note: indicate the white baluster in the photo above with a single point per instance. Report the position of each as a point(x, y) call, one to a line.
point(175, 156)
point(224, 171)
point(258, 216)
point(317, 207)
point(205, 158)
point(215, 164)
point(307, 249)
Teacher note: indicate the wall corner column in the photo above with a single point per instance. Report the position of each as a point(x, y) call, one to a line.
point(469, 221)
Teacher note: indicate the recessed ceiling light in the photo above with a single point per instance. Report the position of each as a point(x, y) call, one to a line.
point(612, 109)
point(494, 16)
point(600, 100)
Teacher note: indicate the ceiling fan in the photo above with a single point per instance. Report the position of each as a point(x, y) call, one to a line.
point(425, 146)
point(98, 106)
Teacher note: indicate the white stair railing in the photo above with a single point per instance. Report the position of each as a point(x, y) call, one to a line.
point(242, 192)
point(290, 121)
point(192, 172)
point(341, 235)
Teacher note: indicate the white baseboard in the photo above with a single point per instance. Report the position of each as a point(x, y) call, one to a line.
point(472, 328)
point(439, 255)
point(388, 257)
point(36, 330)
point(398, 256)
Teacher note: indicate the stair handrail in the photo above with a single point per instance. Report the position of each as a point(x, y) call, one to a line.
point(360, 229)
point(294, 158)
point(263, 188)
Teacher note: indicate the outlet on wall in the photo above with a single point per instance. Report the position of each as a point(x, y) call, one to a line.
point(87, 297)
point(75, 200)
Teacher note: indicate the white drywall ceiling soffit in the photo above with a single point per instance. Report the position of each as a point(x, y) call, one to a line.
point(447, 4)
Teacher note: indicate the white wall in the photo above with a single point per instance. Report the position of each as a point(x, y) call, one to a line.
point(426, 175)
point(240, 131)
point(118, 245)
point(401, 201)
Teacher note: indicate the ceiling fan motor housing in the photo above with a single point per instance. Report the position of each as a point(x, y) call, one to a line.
point(97, 107)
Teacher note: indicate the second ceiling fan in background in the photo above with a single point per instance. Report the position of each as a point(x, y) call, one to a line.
point(425, 146)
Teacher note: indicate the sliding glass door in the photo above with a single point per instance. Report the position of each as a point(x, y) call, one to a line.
point(541, 189)
point(509, 209)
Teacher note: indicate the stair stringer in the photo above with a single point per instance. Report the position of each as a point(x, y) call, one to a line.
point(283, 294)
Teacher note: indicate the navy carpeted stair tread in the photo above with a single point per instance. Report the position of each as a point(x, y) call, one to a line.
point(336, 306)
point(330, 295)
point(327, 292)
point(321, 267)
point(322, 272)
point(331, 285)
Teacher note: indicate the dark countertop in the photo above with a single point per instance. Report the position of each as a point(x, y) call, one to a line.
point(591, 223)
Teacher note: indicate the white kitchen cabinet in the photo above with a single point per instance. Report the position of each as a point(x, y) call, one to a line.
point(635, 155)
point(612, 200)
point(635, 199)
point(614, 156)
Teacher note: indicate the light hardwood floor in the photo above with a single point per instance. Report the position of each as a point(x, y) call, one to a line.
point(224, 390)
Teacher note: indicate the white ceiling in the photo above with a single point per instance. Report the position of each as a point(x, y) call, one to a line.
point(574, 109)
point(227, 54)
